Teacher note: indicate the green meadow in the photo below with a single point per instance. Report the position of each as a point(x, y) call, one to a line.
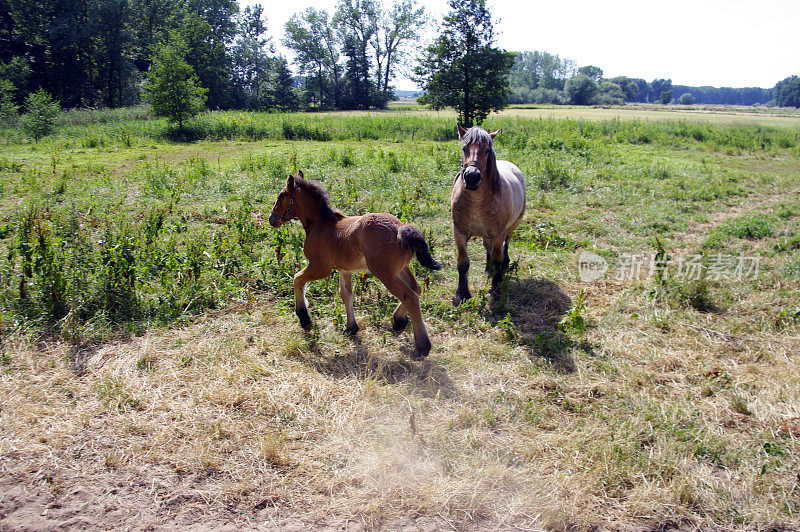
point(141, 285)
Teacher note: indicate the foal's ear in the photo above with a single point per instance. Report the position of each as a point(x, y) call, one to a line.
point(461, 131)
point(493, 134)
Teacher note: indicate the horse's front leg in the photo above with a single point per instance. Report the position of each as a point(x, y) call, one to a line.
point(462, 264)
point(346, 292)
point(312, 272)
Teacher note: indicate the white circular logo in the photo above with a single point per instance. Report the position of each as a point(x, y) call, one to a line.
point(591, 266)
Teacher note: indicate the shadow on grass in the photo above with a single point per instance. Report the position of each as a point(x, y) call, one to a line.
point(427, 376)
point(535, 307)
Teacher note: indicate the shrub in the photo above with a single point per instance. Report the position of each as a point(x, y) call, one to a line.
point(42, 113)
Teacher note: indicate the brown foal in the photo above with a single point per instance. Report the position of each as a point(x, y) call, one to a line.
point(378, 242)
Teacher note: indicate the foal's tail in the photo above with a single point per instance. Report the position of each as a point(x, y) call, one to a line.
point(411, 238)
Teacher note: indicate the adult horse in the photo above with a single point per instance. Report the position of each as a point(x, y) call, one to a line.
point(488, 201)
point(378, 242)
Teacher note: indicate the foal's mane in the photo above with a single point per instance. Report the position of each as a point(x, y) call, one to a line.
point(476, 135)
point(320, 195)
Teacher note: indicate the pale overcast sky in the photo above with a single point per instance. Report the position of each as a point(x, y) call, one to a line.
point(732, 43)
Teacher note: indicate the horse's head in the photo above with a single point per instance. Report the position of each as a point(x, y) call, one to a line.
point(283, 211)
point(476, 145)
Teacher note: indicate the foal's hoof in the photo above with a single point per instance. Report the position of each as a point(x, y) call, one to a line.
point(351, 331)
point(422, 351)
point(305, 319)
point(398, 324)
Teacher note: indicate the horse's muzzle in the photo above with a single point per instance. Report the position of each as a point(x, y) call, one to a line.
point(472, 177)
point(274, 221)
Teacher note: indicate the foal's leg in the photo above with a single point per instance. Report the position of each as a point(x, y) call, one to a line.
point(312, 272)
point(400, 314)
point(462, 264)
point(346, 291)
point(410, 300)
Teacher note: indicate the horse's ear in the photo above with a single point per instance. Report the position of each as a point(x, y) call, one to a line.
point(461, 131)
point(300, 174)
point(493, 134)
point(290, 183)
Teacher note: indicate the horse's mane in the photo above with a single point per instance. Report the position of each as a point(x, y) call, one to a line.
point(476, 135)
point(320, 195)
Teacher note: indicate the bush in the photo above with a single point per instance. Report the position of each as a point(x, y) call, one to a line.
point(42, 113)
point(686, 99)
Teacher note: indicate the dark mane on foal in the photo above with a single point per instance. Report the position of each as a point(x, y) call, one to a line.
point(320, 195)
point(476, 135)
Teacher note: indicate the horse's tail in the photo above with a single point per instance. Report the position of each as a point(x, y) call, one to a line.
point(412, 239)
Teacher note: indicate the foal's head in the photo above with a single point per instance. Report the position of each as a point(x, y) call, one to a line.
point(477, 156)
point(302, 199)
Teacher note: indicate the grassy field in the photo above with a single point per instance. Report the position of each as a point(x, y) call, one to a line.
point(154, 374)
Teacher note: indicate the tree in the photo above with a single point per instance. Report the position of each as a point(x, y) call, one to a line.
point(657, 86)
point(172, 87)
point(596, 73)
point(357, 23)
point(312, 38)
point(787, 92)
point(251, 61)
point(686, 99)
point(462, 69)
point(581, 89)
point(41, 114)
point(609, 94)
point(284, 95)
point(397, 29)
point(665, 97)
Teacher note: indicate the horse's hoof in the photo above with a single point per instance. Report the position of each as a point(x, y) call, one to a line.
point(419, 354)
point(458, 299)
point(398, 324)
point(351, 331)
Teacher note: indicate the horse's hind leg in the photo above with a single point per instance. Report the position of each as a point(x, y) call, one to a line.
point(346, 292)
point(499, 255)
point(400, 314)
point(506, 259)
point(410, 300)
point(312, 272)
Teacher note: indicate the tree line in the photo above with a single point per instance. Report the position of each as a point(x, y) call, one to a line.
point(541, 77)
point(99, 52)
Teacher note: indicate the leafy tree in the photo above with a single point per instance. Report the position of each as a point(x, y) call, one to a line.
point(113, 50)
point(312, 37)
point(596, 73)
point(665, 97)
point(609, 94)
point(787, 92)
point(41, 114)
point(357, 24)
point(9, 110)
point(657, 86)
point(462, 69)
point(208, 56)
point(581, 89)
point(172, 87)
point(628, 86)
point(686, 99)
point(397, 30)
point(251, 61)
point(284, 95)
